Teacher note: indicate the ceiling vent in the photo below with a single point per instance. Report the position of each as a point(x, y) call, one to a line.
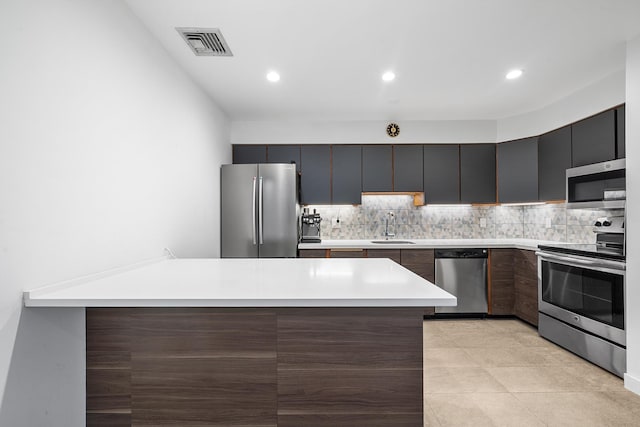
point(205, 41)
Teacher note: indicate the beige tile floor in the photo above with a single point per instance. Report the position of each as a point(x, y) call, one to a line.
point(499, 372)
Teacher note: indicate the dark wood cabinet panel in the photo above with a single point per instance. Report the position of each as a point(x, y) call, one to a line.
point(244, 154)
point(313, 253)
point(420, 261)
point(478, 173)
point(393, 254)
point(347, 253)
point(441, 173)
point(525, 269)
point(620, 133)
point(377, 174)
point(284, 154)
point(315, 175)
point(369, 420)
point(593, 140)
point(407, 168)
point(346, 174)
point(502, 292)
point(554, 158)
point(517, 170)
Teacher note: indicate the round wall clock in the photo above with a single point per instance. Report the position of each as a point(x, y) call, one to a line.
point(393, 130)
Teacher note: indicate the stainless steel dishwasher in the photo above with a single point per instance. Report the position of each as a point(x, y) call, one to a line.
point(463, 273)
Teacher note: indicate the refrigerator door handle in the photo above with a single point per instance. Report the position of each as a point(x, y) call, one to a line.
point(260, 221)
point(253, 212)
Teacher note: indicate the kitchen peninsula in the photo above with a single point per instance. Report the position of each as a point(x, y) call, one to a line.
point(283, 342)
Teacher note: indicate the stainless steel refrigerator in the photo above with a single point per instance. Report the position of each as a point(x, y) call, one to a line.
point(259, 211)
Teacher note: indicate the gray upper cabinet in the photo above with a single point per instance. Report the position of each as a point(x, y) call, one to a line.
point(554, 158)
point(593, 140)
point(517, 163)
point(315, 174)
point(284, 154)
point(377, 174)
point(346, 174)
point(248, 154)
point(478, 173)
point(442, 173)
point(620, 133)
point(407, 168)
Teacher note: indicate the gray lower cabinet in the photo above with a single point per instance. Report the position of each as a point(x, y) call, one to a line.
point(620, 132)
point(441, 173)
point(346, 178)
point(315, 174)
point(478, 173)
point(593, 140)
point(249, 154)
point(284, 154)
point(554, 158)
point(517, 169)
point(377, 174)
point(407, 168)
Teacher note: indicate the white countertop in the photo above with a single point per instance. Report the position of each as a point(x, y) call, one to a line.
point(530, 244)
point(292, 282)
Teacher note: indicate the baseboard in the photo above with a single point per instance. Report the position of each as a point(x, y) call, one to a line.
point(632, 383)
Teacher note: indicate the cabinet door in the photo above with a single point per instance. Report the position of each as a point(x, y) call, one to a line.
point(284, 154)
point(502, 292)
point(248, 154)
point(407, 168)
point(347, 174)
point(478, 173)
point(312, 253)
point(620, 132)
point(377, 168)
point(442, 173)
point(517, 164)
point(315, 178)
point(347, 253)
point(422, 263)
point(554, 158)
point(593, 140)
point(525, 277)
point(393, 254)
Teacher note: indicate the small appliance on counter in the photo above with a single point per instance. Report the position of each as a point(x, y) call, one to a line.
point(310, 226)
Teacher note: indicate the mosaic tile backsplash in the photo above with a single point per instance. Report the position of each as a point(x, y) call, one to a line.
point(543, 222)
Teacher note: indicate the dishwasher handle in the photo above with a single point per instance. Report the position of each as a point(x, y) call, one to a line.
point(461, 253)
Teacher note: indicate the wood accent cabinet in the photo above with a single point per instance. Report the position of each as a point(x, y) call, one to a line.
point(421, 262)
point(525, 277)
point(313, 253)
point(393, 254)
point(501, 289)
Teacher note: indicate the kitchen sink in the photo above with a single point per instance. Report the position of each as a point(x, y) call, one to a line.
point(393, 242)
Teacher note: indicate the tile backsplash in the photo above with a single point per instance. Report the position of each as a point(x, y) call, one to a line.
point(544, 222)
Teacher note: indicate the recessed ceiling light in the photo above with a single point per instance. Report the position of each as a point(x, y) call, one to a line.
point(272, 76)
point(514, 74)
point(388, 76)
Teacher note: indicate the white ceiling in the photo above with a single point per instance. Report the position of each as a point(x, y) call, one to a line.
point(450, 56)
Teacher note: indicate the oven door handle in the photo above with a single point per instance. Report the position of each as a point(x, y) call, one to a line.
point(594, 264)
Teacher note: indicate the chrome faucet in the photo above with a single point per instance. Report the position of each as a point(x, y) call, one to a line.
point(387, 234)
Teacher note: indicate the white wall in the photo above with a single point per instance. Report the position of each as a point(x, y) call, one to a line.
point(592, 99)
point(370, 132)
point(108, 154)
point(632, 377)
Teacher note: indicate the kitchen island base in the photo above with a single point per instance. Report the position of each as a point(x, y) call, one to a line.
point(255, 366)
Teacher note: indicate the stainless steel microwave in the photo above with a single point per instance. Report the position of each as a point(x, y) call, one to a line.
point(599, 185)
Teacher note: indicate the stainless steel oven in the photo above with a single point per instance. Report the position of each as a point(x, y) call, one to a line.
point(581, 302)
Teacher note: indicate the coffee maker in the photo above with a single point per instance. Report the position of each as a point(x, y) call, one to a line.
point(310, 226)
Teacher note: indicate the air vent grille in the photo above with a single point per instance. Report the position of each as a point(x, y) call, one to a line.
point(205, 41)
